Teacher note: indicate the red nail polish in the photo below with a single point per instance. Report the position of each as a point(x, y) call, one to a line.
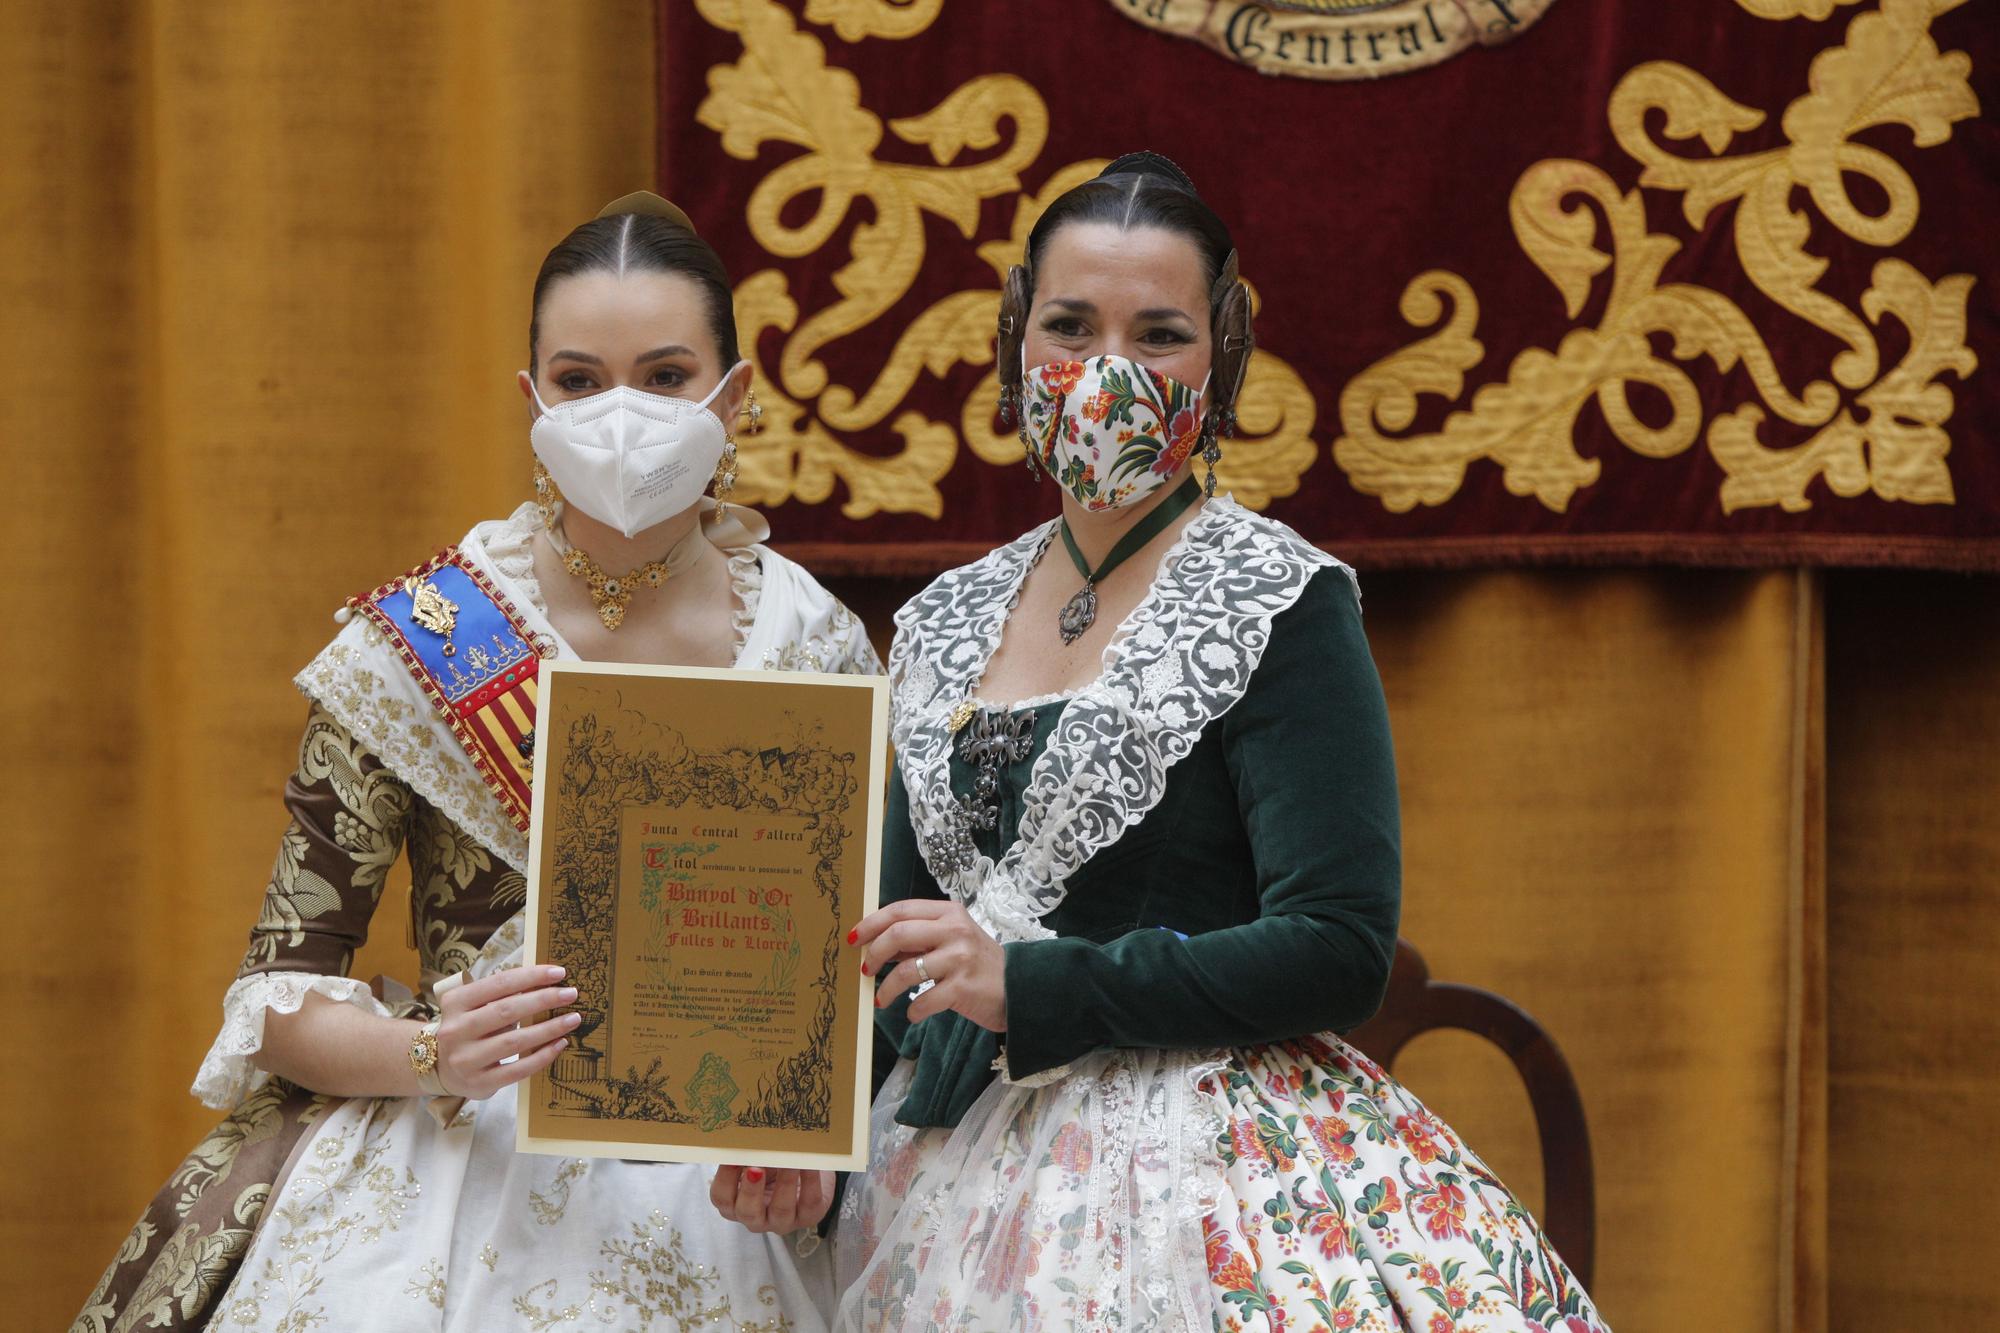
point(854, 935)
point(754, 1174)
point(864, 970)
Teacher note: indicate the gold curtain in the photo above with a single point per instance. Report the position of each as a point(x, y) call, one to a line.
point(1912, 947)
point(263, 276)
point(264, 272)
point(1604, 777)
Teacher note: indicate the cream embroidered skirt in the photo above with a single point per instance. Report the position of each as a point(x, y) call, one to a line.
point(389, 1222)
point(1288, 1187)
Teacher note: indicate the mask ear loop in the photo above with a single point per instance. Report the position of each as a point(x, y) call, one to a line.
point(720, 385)
point(548, 497)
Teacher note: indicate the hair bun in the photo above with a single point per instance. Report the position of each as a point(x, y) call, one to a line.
point(1149, 163)
point(645, 201)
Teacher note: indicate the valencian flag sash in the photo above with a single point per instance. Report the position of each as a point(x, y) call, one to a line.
point(475, 660)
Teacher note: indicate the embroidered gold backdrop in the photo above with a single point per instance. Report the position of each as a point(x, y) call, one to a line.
point(263, 273)
point(1699, 281)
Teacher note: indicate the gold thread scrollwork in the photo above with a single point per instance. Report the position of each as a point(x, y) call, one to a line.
point(1898, 449)
point(1791, 9)
point(783, 89)
point(854, 20)
point(1888, 71)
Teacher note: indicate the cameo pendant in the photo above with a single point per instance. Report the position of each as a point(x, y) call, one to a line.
point(1078, 615)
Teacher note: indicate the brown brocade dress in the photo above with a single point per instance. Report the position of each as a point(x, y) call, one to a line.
point(366, 1213)
point(351, 818)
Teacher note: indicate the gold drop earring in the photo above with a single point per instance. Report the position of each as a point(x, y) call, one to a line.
point(725, 471)
point(546, 495)
point(725, 467)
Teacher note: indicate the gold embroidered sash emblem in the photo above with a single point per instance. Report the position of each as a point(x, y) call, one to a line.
point(432, 610)
point(485, 695)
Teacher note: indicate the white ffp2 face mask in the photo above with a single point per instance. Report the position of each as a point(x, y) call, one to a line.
point(629, 458)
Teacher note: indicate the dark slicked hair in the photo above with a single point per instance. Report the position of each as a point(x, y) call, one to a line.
point(644, 243)
point(1139, 190)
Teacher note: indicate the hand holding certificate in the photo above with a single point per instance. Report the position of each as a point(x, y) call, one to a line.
point(702, 842)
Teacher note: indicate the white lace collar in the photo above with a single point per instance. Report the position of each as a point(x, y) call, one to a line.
point(1181, 659)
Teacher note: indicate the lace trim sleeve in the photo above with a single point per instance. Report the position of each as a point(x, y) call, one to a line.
point(227, 1072)
point(1040, 1079)
point(510, 545)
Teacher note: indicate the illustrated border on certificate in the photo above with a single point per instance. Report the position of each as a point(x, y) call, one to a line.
point(738, 735)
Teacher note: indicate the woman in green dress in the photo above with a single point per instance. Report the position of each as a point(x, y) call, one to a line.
point(1142, 865)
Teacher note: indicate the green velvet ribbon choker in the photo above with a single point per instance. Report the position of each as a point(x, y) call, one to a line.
point(1080, 612)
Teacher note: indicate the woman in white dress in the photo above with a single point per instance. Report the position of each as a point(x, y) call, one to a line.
point(366, 1175)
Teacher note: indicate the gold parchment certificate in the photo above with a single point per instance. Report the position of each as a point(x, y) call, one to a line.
point(702, 841)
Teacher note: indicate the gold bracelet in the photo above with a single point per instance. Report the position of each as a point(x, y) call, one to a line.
point(424, 1060)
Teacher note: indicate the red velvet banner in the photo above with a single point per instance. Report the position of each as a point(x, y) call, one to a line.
point(1707, 282)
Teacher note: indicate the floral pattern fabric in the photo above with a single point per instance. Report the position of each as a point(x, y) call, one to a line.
point(1351, 1206)
point(185, 1248)
point(1284, 1188)
point(1109, 430)
point(1065, 1205)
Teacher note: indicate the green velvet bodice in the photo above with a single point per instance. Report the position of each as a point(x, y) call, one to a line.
point(1257, 900)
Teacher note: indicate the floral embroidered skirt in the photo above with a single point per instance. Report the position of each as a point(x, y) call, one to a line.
point(1294, 1186)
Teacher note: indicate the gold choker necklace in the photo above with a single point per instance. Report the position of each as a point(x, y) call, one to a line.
point(612, 592)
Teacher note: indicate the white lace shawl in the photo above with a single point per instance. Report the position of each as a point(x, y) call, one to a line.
point(785, 621)
point(1180, 660)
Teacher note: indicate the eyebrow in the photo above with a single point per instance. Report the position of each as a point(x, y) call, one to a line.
point(1076, 307)
point(658, 353)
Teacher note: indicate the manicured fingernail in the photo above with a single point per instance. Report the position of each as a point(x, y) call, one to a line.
point(754, 1174)
point(557, 974)
point(865, 972)
point(571, 1020)
point(566, 994)
point(854, 936)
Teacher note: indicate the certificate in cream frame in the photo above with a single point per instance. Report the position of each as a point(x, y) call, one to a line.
point(701, 842)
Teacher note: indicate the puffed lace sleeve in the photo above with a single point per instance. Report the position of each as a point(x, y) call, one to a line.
point(350, 817)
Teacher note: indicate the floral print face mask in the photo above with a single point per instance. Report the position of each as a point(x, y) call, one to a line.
point(1109, 430)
